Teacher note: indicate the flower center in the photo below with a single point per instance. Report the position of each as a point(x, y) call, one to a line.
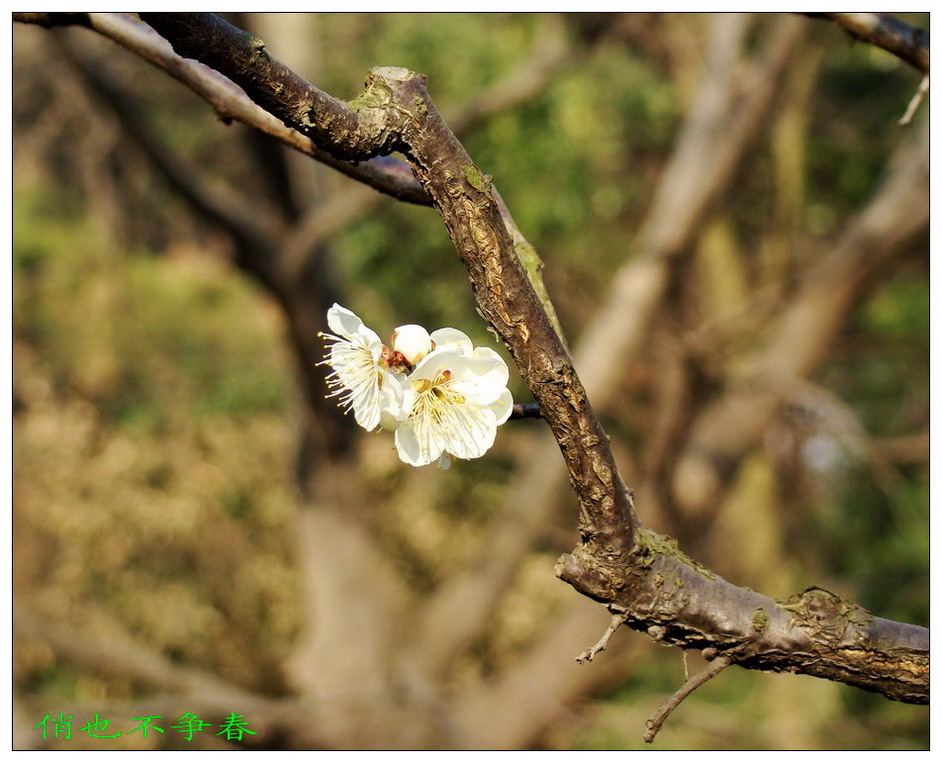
point(435, 397)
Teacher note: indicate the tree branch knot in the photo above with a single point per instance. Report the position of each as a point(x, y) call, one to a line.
point(829, 618)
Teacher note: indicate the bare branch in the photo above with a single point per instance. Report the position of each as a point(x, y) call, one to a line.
point(908, 43)
point(526, 411)
point(816, 632)
point(589, 654)
point(390, 176)
point(916, 100)
point(655, 722)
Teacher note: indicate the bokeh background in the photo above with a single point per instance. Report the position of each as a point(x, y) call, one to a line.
point(197, 530)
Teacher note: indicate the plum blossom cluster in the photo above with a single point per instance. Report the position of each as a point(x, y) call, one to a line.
point(443, 397)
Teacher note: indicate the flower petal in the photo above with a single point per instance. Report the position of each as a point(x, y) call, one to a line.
point(414, 446)
point(480, 378)
point(452, 339)
point(503, 407)
point(471, 431)
point(344, 322)
point(357, 379)
point(392, 393)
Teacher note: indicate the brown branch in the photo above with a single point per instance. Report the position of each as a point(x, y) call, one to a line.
point(816, 632)
point(916, 100)
point(588, 655)
point(715, 133)
point(525, 82)
point(396, 113)
point(390, 176)
point(654, 723)
point(351, 131)
point(526, 411)
point(908, 43)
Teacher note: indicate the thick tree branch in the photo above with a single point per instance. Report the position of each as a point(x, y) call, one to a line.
point(816, 632)
point(389, 176)
point(700, 168)
point(657, 720)
point(396, 113)
point(352, 131)
point(908, 43)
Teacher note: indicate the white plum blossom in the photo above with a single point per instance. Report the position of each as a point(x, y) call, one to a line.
point(443, 397)
point(360, 376)
point(454, 400)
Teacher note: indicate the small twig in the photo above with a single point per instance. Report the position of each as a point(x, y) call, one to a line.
point(526, 411)
point(654, 723)
point(589, 654)
point(914, 103)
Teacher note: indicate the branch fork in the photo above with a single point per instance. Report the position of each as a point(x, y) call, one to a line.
point(618, 618)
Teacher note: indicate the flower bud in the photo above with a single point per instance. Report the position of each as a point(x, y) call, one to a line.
point(412, 342)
